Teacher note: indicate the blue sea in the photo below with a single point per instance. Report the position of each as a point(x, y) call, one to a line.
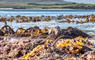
point(46, 12)
point(85, 27)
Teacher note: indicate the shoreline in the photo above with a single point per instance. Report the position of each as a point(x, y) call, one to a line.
point(42, 9)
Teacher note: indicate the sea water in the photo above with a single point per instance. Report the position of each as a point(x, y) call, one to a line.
point(86, 26)
point(46, 12)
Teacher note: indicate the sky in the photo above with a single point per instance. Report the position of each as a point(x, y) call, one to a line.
point(82, 1)
point(58, 1)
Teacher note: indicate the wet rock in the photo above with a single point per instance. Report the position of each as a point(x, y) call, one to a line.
point(1, 33)
point(20, 32)
point(85, 49)
point(40, 42)
point(7, 30)
point(88, 56)
point(73, 32)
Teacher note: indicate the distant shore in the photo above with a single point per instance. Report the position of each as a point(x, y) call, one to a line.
point(46, 6)
point(34, 9)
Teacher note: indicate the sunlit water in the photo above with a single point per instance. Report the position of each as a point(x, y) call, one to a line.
point(87, 26)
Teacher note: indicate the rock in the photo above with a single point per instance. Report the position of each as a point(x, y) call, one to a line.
point(85, 49)
point(88, 56)
point(1, 33)
point(7, 30)
point(73, 32)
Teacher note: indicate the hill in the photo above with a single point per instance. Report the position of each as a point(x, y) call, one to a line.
point(35, 1)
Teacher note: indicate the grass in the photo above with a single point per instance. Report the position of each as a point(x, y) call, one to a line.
point(28, 5)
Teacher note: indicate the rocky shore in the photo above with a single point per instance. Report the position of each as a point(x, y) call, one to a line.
point(68, 44)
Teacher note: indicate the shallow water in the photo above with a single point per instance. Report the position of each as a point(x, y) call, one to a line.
point(46, 12)
point(86, 26)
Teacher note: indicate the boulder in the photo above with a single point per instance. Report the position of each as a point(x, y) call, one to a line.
point(73, 32)
point(88, 56)
point(20, 32)
point(7, 30)
point(1, 33)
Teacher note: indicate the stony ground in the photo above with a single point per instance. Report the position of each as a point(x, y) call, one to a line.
point(26, 48)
